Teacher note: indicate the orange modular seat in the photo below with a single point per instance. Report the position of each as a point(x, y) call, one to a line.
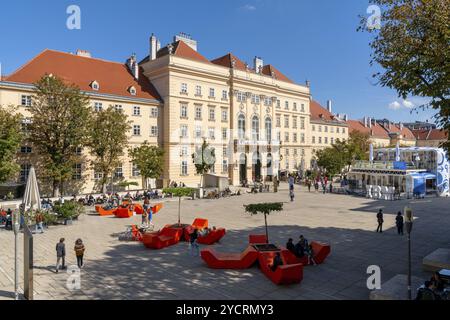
point(212, 237)
point(257, 239)
point(285, 274)
point(123, 213)
point(218, 260)
point(164, 238)
point(138, 209)
point(157, 208)
point(135, 233)
point(200, 223)
point(320, 250)
point(97, 207)
point(104, 212)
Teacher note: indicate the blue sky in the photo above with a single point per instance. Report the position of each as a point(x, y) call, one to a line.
point(306, 39)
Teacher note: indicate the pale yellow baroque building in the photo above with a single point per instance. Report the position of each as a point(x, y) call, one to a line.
point(257, 119)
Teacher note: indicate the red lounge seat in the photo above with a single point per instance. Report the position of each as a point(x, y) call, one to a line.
point(136, 234)
point(321, 252)
point(212, 237)
point(97, 207)
point(200, 223)
point(257, 239)
point(164, 238)
point(285, 274)
point(157, 208)
point(123, 213)
point(104, 212)
point(217, 260)
point(138, 209)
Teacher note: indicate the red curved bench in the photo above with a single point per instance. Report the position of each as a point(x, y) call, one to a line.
point(257, 239)
point(123, 213)
point(200, 223)
point(320, 250)
point(285, 274)
point(218, 260)
point(103, 212)
point(164, 238)
point(138, 209)
point(212, 237)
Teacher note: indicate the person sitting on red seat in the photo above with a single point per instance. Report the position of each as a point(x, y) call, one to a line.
point(277, 261)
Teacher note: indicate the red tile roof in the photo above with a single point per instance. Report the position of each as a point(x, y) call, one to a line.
point(319, 113)
point(405, 132)
point(376, 131)
point(267, 70)
point(434, 134)
point(114, 78)
point(181, 49)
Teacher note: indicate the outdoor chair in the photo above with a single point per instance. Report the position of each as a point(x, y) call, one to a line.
point(212, 237)
point(123, 213)
point(218, 260)
point(284, 274)
point(164, 238)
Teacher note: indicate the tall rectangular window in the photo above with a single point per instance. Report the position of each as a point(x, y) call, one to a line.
point(136, 130)
point(212, 93)
point(118, 107)
point(278, 104)
point(198, 131)
point(135, 172)
point(118, 172)
point(224, 95)
point(224, 115)
point(302, 123)
point(154, 131)
point(313, 139)
point(294, 137)
point(212, 133)
point(154, 113)
point(286, 105)
point(294, 122)
point(278, 121)
point(224, 166)
point(212, 114)
point(302, 108)
point(286, 121)
point(136, 111)
point(198, 112)
point(24, 172)
point(224, 134)
point(183, 110)
point(294, 106)
point(302, 138)
point(183, 131)
point(184, 88)
point(198, 90)
point(184, 168)
point(286, 136)
point(76, 173)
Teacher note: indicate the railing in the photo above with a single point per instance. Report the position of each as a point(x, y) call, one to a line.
point(383, 165)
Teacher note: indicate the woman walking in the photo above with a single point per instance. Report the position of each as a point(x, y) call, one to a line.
point(79, 252)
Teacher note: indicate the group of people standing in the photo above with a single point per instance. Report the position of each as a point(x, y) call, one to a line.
point(399, 222)
point(79, 249)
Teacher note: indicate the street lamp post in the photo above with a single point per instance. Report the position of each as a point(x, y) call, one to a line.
point(16, 216)
point(409, 224)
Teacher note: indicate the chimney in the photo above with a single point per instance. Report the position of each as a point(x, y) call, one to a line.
point(365, 122)
point(84, 53)
point(158, 46)
point(400, 125)
point(186, 38)
point(329, 106)
point(369, 122)
point(308, 83)
point(258, 64)
point(153, 47)
point(345, 117)
point(133, 66)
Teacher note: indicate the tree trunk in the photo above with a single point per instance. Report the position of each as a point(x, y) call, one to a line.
point(104, 187)
point(267, 230)
point(179, 211)
point(55, 189)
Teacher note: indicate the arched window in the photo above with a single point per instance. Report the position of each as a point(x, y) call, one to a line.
point(241, 126)
point(255, 128)
point(268, 129)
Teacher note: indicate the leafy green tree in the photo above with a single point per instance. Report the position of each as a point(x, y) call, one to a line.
point(412, 47)
point(330, 160)
point(10, 140)
point(108, 140)
point(266, 209)
point(204, 159)
point(60, 119)
point(179, 192)
point(149, 160)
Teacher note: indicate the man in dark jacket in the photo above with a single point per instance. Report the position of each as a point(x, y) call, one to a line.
point(380, 221)
point(277, 261)
point(60, 255)
point(399, 222)
point(290, 245)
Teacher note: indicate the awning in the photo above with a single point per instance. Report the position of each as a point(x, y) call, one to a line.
point(423, 175)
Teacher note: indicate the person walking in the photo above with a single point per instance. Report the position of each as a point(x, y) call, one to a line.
point(292, 195)
point(331, 187)
point(60, 255)
point(399, 222)
point(193, 243)
point(308, 183)
point(380, 221)
point(39, 222)
point(79, 252)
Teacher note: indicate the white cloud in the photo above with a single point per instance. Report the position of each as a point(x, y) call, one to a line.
point(408, 104)
point(249, 7)
point(395, 105)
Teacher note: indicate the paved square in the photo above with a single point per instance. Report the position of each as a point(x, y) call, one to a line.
point(127, 270)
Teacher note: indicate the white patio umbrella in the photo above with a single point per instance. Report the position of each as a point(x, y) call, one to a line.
point(31, 198)
point(397, 152)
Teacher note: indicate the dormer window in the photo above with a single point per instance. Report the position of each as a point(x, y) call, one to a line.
point(95, 85)
point(132, 90)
